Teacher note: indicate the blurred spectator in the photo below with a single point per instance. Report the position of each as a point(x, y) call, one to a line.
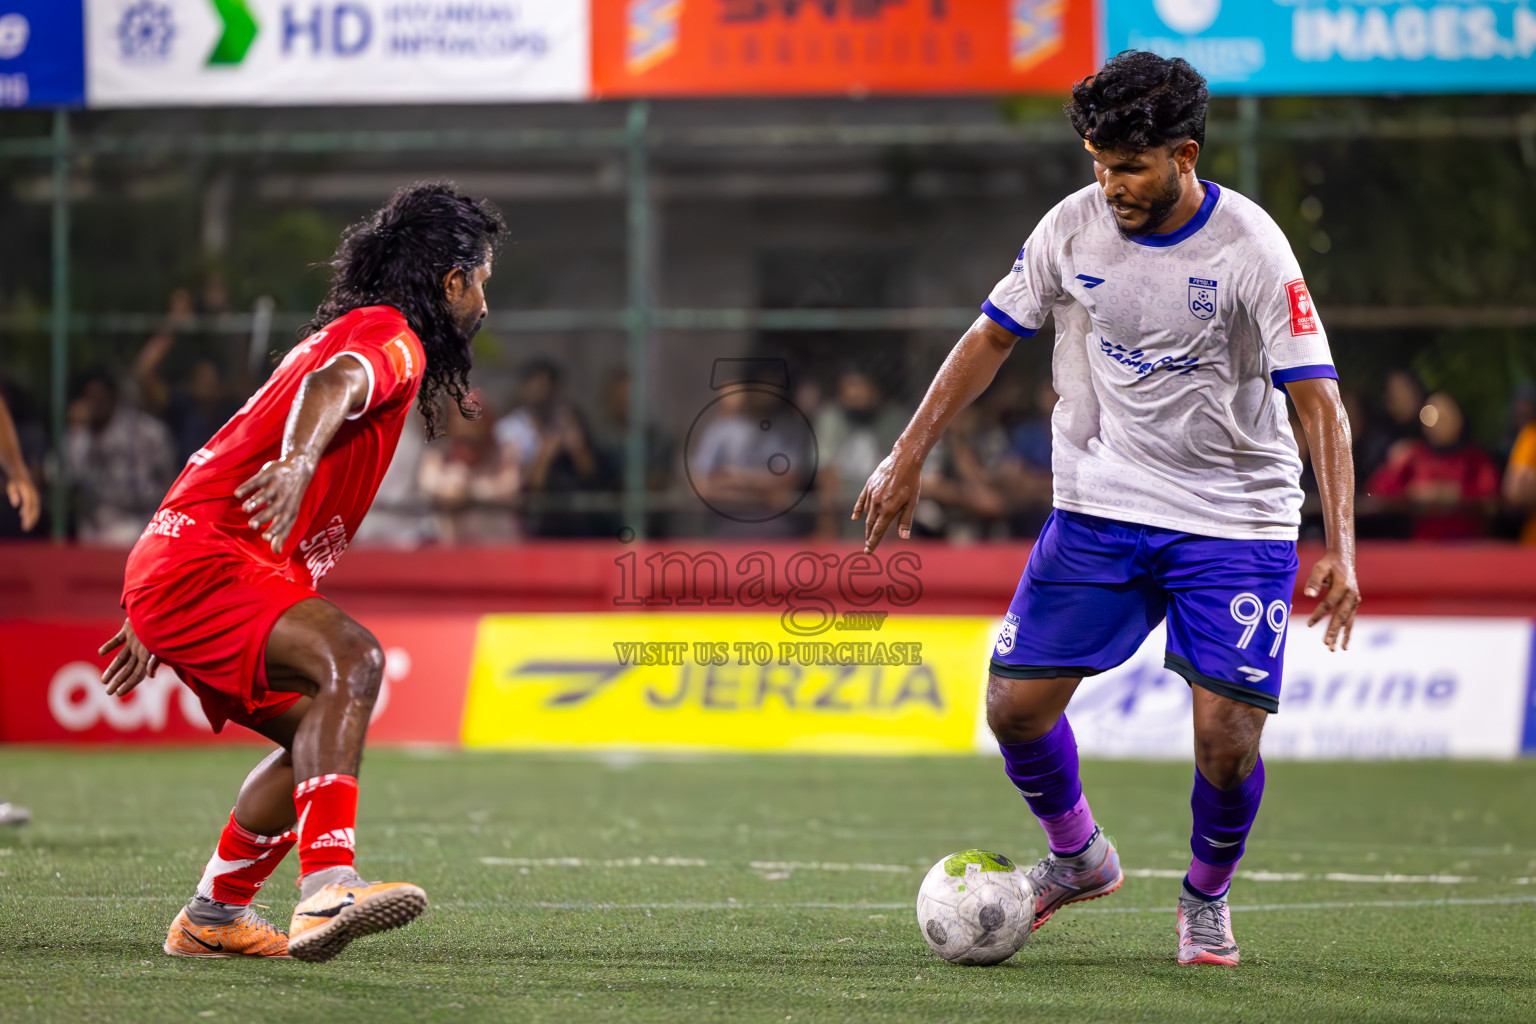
point(119, 459)
point(1402, 397)
point(1026, 471)
point(1522, 414)
point(195, 409)
point(398, 518)
point(961, 497)
point(1447, 484)
point(751, 465)
point(612, 443)
point(554, 453)
point(472, 480)
point(1520, 481)
point(853, 434)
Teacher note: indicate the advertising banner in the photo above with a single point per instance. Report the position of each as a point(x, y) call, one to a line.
point(839, 47)
point(300, 52)
point(1337, 46)
point(51, 691)
point(42, 53)
point(741, 682)
point(1407, 687)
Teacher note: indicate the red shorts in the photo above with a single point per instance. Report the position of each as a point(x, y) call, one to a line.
point(209, 618)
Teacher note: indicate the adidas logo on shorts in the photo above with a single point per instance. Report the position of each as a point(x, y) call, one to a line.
point(336, 837)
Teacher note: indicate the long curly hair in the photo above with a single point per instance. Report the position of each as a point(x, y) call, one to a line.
point(1140, 100)
point(398, 257)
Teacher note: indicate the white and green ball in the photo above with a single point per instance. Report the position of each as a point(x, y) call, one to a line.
point(976, 908)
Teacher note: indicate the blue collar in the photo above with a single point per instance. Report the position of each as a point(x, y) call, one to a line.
point(1195, 223)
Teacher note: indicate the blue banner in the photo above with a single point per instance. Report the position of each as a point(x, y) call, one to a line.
point(1327, 46)
point(42, 53)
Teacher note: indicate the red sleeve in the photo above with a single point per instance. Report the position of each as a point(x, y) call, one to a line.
point(1483, 480)
point(1391, 480)
point(394, 361)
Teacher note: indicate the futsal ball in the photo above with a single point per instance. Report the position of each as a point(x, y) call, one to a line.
point(976, 908)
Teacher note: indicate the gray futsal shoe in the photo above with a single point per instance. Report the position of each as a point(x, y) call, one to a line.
point(1205, 931)
point(1061, 880)
point(10, 814)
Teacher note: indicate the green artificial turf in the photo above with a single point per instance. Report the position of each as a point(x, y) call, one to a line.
point(119, 839)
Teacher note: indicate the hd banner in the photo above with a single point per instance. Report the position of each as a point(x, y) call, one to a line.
point(42, 53)
point(839, 47)
point(1337, 46)
point(51, 692)
point(308, 52)
point(1407, 687)
point(874, 684)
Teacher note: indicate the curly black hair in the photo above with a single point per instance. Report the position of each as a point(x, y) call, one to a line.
point(398, 257)
point(1139, 100)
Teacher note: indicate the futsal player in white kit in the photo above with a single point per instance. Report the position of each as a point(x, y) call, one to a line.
point(1182, 323)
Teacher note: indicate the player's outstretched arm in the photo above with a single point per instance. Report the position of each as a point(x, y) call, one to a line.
point(18, 482)
point(890, 495)
point(272, 497)
point(1327, 427)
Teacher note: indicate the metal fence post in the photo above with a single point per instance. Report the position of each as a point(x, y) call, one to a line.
point(640, 270)
point(1248, 147)
point(60, 352)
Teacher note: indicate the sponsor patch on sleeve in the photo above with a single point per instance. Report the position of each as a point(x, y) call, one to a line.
point(401, 359)
point(1303, 314)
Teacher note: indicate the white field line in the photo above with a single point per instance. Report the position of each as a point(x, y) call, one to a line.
point(796, 865)
point(1491, 901)
point(582, 862)
point(777, 870)
point(1332, 876)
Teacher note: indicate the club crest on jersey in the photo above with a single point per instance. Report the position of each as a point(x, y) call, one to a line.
point(1010, 633)
point(1202, 297)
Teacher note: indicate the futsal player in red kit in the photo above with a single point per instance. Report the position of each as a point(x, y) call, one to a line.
point(221, 586)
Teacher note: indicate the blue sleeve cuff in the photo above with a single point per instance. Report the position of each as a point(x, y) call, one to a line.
point(1295, 373)
point(1002, 319)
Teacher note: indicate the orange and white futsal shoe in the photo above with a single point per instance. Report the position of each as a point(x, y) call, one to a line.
point(1061, 880)
point(1205, 931)
point(249, 935)
point(325, 923)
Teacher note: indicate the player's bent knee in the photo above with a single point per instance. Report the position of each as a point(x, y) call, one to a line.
point(1225, 762)
point(1018, 713)
point(357, 663)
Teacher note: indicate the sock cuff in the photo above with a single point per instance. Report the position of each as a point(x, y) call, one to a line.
point(241, 832)
point(1029, 750)
point(308, 786)
point(1240, 795)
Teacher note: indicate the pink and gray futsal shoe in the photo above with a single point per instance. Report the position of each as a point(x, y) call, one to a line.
point(1061, 880)
point(1205, 931)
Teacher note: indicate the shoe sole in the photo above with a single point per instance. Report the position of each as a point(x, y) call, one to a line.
point(205, 955)
point(1210, 958)
point(380, 912)
point(1103, 890)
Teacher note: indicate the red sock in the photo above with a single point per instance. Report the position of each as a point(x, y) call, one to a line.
point(242, 861)
point(327, 806)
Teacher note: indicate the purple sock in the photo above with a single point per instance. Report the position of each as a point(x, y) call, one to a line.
point(1222, 820)
point(1045, 771)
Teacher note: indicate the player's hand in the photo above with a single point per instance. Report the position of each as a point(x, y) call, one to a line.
point(132, 665)
point(1334, 577)
point(272, 497)
point(890, 495)
point(23, 498)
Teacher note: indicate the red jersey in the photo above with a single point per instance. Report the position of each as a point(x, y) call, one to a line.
point(201, 508)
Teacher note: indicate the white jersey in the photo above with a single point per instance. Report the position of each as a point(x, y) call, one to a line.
point(1170, 352)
